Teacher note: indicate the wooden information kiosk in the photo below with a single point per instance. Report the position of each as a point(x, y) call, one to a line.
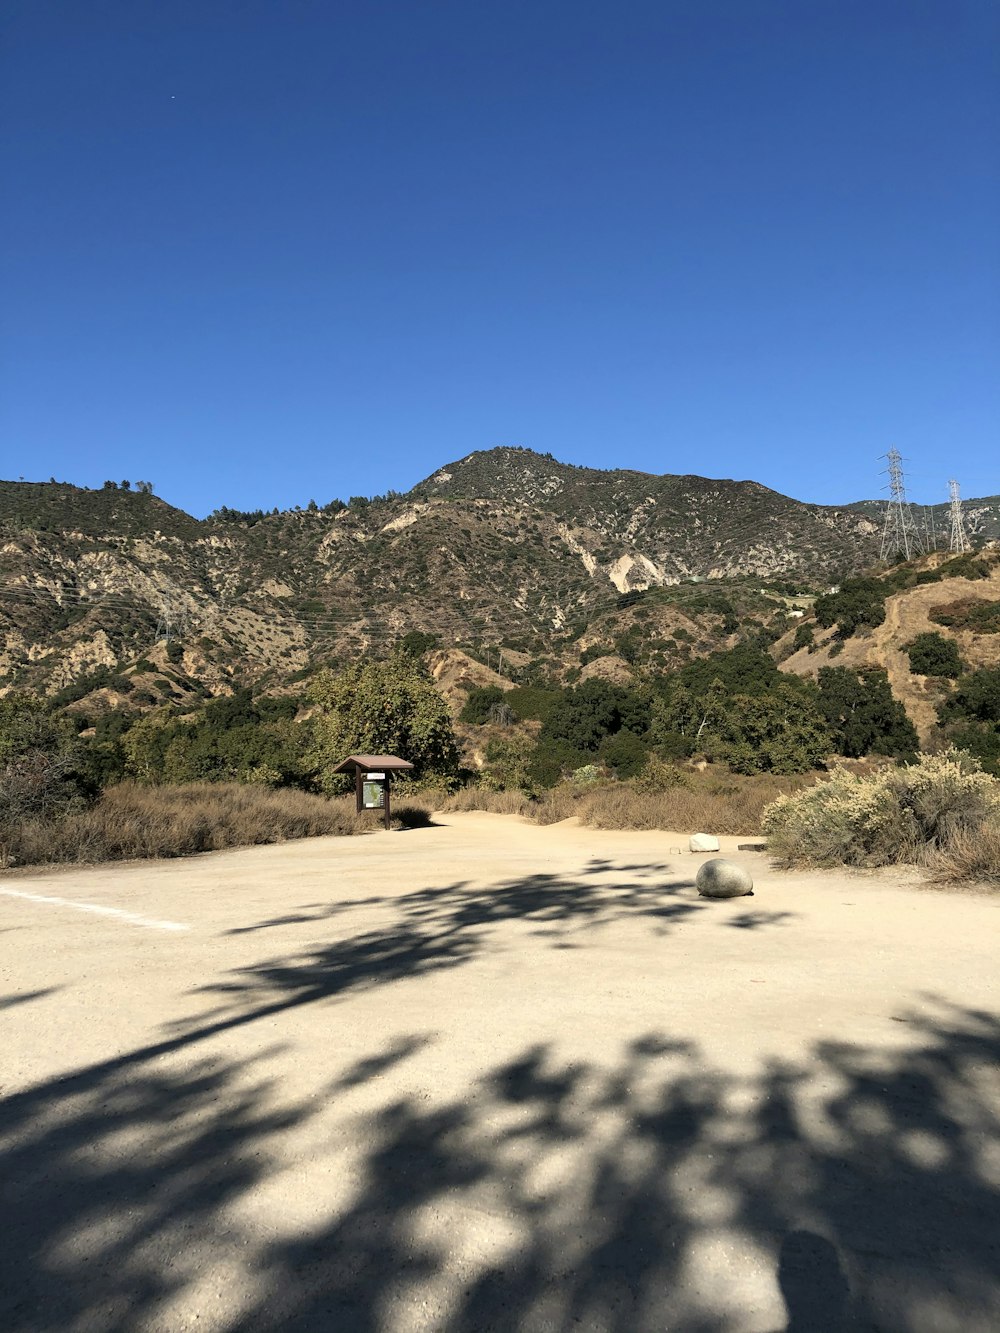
point(372, 778)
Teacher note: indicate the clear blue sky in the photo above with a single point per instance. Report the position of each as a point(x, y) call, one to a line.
point(259, 251)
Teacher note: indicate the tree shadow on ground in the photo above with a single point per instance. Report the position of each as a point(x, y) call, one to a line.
point(25, 997)
point(433, 929)
point(854, 1190)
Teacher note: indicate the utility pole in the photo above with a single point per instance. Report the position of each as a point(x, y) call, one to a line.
point(959, 543)
point(899, 532)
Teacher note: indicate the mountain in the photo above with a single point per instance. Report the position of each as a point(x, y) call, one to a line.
point(560, 564)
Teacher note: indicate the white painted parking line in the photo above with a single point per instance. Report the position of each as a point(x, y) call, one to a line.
point(133, 918)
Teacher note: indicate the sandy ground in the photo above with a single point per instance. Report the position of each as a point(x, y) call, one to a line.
point(493, 1076)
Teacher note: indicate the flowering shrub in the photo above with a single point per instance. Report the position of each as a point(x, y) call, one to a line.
point(913, 814)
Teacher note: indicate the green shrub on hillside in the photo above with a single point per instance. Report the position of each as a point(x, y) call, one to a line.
point(971, 716)
point(532, 702)
point(804, 637)
point(482, 699)
point(980, 617)
point(931, 654)
point(977, 697)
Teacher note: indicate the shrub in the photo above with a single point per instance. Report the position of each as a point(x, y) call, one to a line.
point(980, 617)
point(932, 654)
point(780, 732)
point(624, 753)
point(131, 822)
point(507, 761)
point(897, 815)
point(969, 857)
point(977, 697)
point(479, 704)
point(587, 713)
point(532, 702)
point(804, 636)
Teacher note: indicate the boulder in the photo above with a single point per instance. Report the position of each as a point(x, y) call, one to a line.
point(720, 878)
point(704, 842)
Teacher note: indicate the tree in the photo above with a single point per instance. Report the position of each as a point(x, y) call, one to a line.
point(972, 715)
point(778, 732)
point(507, 763)
point(585, 715)
point(745, 669)
point(416, 642)
point(863, 714)
point(681, 717)
point(857, 602)
point(977, 697)
point(932, 654)
point(41, 773)
point(624, 753)
point(480, 703)
point(382, 706)
point(804, 636)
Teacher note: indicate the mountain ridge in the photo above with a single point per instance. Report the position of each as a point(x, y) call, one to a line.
point(501, 546)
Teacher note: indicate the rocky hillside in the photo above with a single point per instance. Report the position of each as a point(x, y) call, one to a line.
point(563, 567)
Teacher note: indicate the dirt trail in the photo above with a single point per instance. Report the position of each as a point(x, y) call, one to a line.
point(907, 614)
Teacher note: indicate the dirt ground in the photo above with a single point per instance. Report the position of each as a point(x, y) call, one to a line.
point(491, 1076)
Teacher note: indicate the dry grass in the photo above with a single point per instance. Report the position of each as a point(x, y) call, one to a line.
point(698, 802)
point(131, 823)
point(971, 858)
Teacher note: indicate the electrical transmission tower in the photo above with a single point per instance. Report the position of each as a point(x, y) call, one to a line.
point(899, 532)
point(172, 620)
point(959, 543)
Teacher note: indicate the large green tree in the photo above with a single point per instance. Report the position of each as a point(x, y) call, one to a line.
point(856, 602)
point(778, 732)
point(863, 713)
point(382, 706)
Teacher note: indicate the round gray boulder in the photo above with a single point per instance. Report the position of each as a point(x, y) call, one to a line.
point(720, 878)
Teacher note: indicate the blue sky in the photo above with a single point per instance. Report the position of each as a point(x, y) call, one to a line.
point(262, 251)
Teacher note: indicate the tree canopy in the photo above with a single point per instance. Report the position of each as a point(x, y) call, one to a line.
point(382, 706)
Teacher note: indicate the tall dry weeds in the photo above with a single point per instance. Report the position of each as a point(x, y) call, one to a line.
point(130, 822)
point(687, 803)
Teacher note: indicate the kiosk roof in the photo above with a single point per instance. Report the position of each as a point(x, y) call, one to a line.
point(373, 763)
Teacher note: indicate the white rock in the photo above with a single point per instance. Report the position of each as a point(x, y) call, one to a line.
point(723, 879)
point(703, 842)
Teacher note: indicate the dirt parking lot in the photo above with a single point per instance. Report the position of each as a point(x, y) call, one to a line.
point(490, 1076)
